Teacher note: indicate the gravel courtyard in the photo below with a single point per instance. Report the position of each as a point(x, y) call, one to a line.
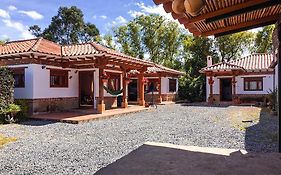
point(44, 147)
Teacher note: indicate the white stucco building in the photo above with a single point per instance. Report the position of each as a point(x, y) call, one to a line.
point(245, 79)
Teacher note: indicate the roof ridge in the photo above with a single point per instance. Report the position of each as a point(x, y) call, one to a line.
point(35, 45)
point(21, 40)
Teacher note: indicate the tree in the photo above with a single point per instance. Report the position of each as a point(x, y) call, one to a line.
point(193, 84)
point(263, 40)
point(108, 41)
point(6, 89)
point(151, 35)
point(233, 46)
point(67, 27)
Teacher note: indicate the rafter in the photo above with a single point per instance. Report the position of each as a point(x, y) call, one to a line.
point(268, 19)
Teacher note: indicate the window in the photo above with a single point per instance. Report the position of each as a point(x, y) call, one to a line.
point(253, 84)
point(152, 84)
point(58, 78)
point(113, 81)
point(19, 76)
point(172, 85)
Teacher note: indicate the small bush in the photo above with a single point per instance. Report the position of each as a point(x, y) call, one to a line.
point(23, 114)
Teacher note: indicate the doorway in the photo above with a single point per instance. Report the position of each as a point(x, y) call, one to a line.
point(133, 90)
point(86, 89)
point(226, 89)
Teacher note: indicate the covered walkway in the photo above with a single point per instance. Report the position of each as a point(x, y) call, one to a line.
point(79, 116)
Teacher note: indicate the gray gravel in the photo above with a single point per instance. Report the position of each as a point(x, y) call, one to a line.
point(44, 147)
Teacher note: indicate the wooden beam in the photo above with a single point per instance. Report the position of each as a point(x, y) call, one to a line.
point(244, 29)
point(225, 10)
point(268, 19)
point(243, 10)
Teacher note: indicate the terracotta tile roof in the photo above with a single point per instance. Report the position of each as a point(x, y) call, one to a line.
point(17, 46)
point(41, 45)
point(254, 62)
point(78, 49)
point(47, 47)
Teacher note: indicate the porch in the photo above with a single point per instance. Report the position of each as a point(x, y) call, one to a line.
point(86, 115)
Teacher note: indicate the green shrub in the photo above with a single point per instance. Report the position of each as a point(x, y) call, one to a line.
point(23, 114)
point(6, 89)
point(8, 109)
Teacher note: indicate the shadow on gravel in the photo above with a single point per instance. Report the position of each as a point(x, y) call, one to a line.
point(37, 122)
point(157, 160)
point(262, 137)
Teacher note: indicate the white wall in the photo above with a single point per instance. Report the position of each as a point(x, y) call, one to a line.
point(37, 84)
point(41, 84)
point(165, 85)
point(267, 84)
point(27, 91)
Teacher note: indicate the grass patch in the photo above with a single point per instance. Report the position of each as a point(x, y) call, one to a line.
point(5, 140)
point(244, 114)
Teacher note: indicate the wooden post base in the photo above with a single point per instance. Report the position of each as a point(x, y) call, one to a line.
point(101, 108)
point(160, 99)
point(125, 104)
point(141, 102)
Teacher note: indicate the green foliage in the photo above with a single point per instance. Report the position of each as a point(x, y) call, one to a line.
point(152, 35)
point(196, 49)
point(108, 41)
point(233, 46)
point(67, 27)
point(12, 109)
point(6, 89)
point(23, 114)
point(263, 41)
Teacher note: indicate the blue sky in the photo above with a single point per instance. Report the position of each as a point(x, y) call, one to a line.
point(17, 15)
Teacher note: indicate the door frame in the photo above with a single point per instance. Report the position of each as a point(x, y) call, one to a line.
point(79, 87)
point(221, 87)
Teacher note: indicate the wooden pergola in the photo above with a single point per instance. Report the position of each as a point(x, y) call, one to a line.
point(222, 17)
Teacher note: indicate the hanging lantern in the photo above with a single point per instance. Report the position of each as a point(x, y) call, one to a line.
point(194, 7)
point(178, 6)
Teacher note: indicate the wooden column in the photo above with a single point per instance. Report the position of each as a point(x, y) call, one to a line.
point(101, 105)
point(125, 98)
point(279, 81)
point(211, 96)
point(160, 90)
point(233, 87)
point(141, 89)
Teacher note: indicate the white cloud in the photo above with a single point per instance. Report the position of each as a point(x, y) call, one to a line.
point(12, 8)
point(120, 20)
point(103, 17)
point(95, 16)
point(4, 14)
point(154, 10)
point(32, 14)
point(135, 14)
point(25, 34)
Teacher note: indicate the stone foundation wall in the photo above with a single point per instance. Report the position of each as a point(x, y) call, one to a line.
point(244, 97)
point(169, 97)
point(148, 98)
point(52, 104)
